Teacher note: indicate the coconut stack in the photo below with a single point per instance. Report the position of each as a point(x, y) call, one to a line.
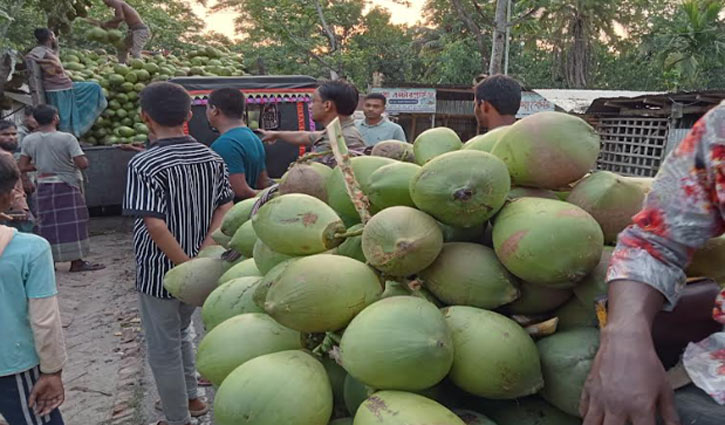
point(467, 297)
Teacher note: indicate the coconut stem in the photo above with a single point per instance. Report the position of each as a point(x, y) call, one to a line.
point(309, 157)
point(463, 194)
point(349, 234)
point(342, 156)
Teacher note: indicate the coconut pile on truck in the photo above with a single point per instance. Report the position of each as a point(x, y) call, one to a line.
point(451, 283)
point(122, 83)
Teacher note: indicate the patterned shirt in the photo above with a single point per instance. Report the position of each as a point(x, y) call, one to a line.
point(182, 182)
point(685, 208)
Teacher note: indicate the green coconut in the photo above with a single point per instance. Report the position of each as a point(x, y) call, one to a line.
point(494, 356)
point(398, 343)
point(394, 149)
point(213, 251)
point(297, 224)
point(707, 261)
point(526, 411)
point(401, 241)
point(548, 242)
point(594, 285)
point(530, 192)
point(355, 393)
point(462, 189)
point(610, 199)
point(269, 279)
point(548, 150)
point(192, 282)
point(221, 238)
point(238, 215)
point(389, 185)
point(266, 259)
point(485, 142)
point(306, 178)
point(322, 293)
point(241, 338)
point(352, 247)
point(469, 417)
point(244, 239)
point(402, 408)
point(462, 234)
point(574, 314)
point(337, 197)
point(287, 387)
point(537, 299)
point(230, 299)
point(566, 359)
point(245, 268)
point(433, 142)
point(469, 274)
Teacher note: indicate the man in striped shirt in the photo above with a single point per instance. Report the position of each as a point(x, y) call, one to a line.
point(179, 191)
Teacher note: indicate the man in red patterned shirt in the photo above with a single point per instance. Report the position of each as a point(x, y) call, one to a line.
point(685, 208)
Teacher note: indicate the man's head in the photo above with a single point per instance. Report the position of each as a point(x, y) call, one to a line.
point(46, 115)
point(225, 104)
point(374, 106)
point(497, 99)
point(44, 36)
point(29, 119)
point(8, 136)
point(165, 105)
point(333, 98)
point(9, 175)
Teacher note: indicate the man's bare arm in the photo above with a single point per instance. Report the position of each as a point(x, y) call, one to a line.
point(299, 138)
point(166, 242)
point(240, 186)
point(216, 222)
point(117, 19)
point(25, 165)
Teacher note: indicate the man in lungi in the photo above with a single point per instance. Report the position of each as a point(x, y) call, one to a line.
point(138, 33)
point(62, 213)
point(79, 104)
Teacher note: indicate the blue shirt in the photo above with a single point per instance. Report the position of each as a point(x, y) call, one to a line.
point(26, 271)
point(384, 130)
point(243, 153)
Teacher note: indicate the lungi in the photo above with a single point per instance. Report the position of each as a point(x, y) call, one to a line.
point(63, 220)
point(79, 107)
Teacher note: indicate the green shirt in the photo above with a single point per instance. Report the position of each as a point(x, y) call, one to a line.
point(384, 130)
point(243, 153)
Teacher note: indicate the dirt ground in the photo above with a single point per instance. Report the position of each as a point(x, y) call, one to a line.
point(107, 379)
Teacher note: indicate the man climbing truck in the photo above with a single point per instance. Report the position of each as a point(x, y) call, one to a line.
point(138, 33)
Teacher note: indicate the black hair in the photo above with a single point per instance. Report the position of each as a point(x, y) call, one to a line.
point(44, 114)
point(9, 174)
point(42, 35)
point(343, 94)
point(229, 101)
point(501, 91)
point(5, 124)
point(28, 111)
point(168, 104)
point(377, 96)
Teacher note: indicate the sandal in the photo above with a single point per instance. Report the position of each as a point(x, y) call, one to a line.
point(87, 267)
point(203, 382)
point(193, 413)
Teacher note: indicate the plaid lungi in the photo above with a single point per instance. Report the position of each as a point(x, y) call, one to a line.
point(63, 220)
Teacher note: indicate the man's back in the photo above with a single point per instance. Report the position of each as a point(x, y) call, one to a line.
point(53, 153)
point(131, 16)
point(182, 182)
point(243, 153)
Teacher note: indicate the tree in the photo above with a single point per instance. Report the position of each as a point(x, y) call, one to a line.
point(499, 37)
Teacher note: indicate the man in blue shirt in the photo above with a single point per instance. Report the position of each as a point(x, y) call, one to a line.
point(240, 148)
point(375, 127)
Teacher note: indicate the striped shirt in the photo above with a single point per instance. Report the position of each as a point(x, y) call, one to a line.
point(182, 182)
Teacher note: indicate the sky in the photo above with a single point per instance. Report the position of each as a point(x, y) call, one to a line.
point(223, 22)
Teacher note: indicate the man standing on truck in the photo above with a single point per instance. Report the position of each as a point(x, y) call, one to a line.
point(138, 33)
point(240, 148)
point(62, 212)
point(684, 209)
point(333, 99)
point(497, 101)
point(375, 127)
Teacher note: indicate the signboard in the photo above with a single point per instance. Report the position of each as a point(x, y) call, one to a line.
point(409, 101)
point(532, 103)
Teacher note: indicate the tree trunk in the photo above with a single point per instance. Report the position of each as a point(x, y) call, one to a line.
point(498, 45)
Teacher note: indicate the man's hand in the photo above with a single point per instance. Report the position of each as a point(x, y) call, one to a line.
point(47, 394)
point(267, 136)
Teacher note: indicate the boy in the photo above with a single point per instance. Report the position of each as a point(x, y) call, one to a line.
point(32, 352)
point(179, 191)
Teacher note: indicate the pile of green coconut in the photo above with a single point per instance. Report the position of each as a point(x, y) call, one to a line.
point(457, 286)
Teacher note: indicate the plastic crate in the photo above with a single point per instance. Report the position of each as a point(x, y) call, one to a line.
point(632, 146)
